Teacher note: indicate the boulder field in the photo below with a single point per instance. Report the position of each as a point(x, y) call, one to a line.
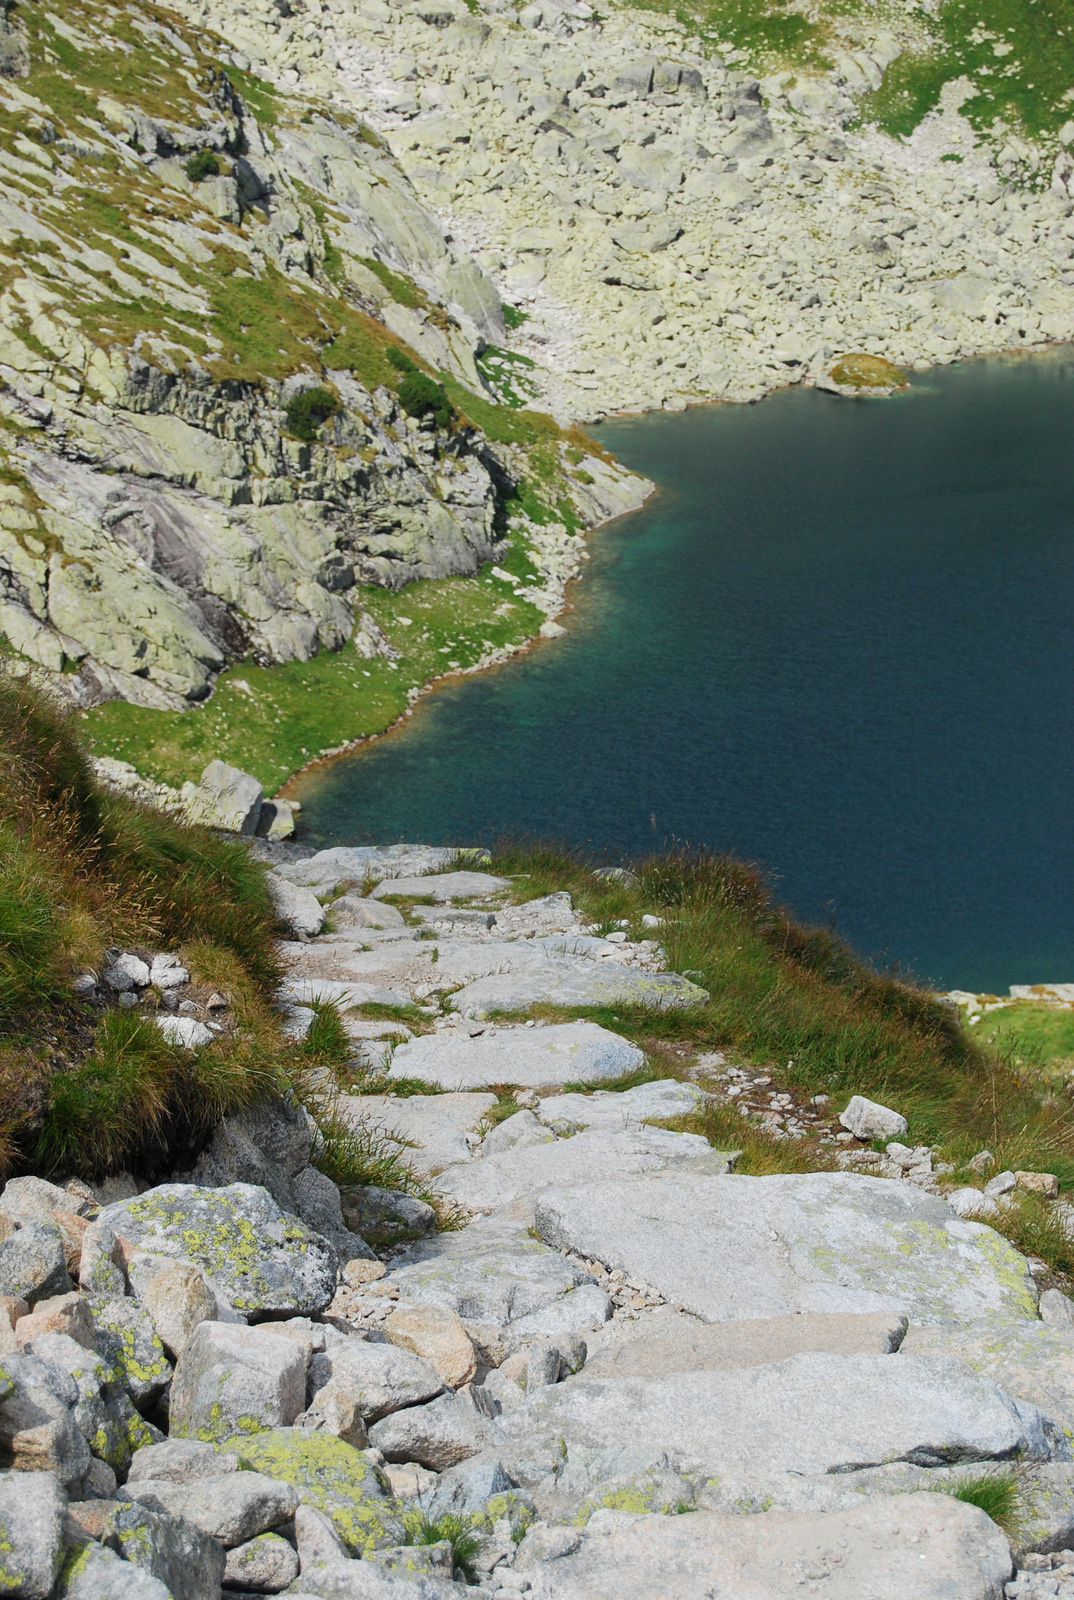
point(622, 1368)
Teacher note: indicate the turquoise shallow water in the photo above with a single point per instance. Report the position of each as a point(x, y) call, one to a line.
point(837, 642)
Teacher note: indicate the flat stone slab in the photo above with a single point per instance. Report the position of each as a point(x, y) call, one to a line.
point(347, 996)
point(1030, 1360)
point(605, 1108)
point(566, 1052)
point(690, 1346)
point(576, 981)
point(902, 1547)
point(494, 1273)
point(431, 1128)
point(261, 1258)
point(727, 1248)
point(620, 1158)
point(442, 885)
point(810, 1416)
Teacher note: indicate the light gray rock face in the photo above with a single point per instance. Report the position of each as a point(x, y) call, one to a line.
point(176, 1552)
point(505, 1285)
point(32, 1511)
point(808, 1417)
point(438, 1435)
point(732, 1247)
point(91, 1572)
point(555, 978)
point(352, 911)
point(326, 870)
point(181, 1461)
point(266, 1565)
point(443, 886)
point(515, 1133)
point(906, 1547)
point(32, 1265)
point(1057, 1309)
point(261, 1258)
point(868, 1120)
point(298, 909)
point(1030, 1360)
point(431, 1128)
point(690, 1346)
point(232, 1380)
point(380, 1378)
point(176, 1294)
point(565, 1052)
point(38, 1429)
point(225, 797)
point(604, 1108)
point(593, 1155)
point(231, 1508)
point(29, 1198)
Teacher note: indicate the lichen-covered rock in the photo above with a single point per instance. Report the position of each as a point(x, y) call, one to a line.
point(232, 1380)
point(330, 1476)
point(105, 1416)
point(261, 1258)
point(91, 1572)
point(172, 1549)
point(131, 1349)
point(32, 1508)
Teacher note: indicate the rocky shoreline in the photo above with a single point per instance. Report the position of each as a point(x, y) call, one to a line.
point(622, 1369)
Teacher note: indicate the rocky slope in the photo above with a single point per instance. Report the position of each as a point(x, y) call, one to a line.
point(677, 230)
point(183, 254)
point(631, 1371)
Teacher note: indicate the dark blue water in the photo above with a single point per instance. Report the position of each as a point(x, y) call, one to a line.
point(837, 642)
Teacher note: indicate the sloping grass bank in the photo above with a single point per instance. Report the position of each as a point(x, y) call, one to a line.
point(796, 1001)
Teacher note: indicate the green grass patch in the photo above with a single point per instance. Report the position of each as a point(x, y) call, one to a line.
point(272, 720)
point(1019, 54)
point(1030, 1035)
point(466, 1538)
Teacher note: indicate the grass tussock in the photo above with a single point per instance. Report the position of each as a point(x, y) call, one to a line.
point(84, 1091)
point(997, 1494)
point(466, 1538)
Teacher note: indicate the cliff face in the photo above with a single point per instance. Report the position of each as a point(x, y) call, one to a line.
point(182, 254)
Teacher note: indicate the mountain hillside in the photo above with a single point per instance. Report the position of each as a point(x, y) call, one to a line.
point(221, 312)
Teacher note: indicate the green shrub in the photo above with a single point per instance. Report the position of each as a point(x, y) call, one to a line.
point(399, 360)
point(204, 164)
point(422, 396)
point(308, 411)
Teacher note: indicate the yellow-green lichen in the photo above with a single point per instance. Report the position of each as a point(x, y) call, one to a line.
point(330, 1475)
